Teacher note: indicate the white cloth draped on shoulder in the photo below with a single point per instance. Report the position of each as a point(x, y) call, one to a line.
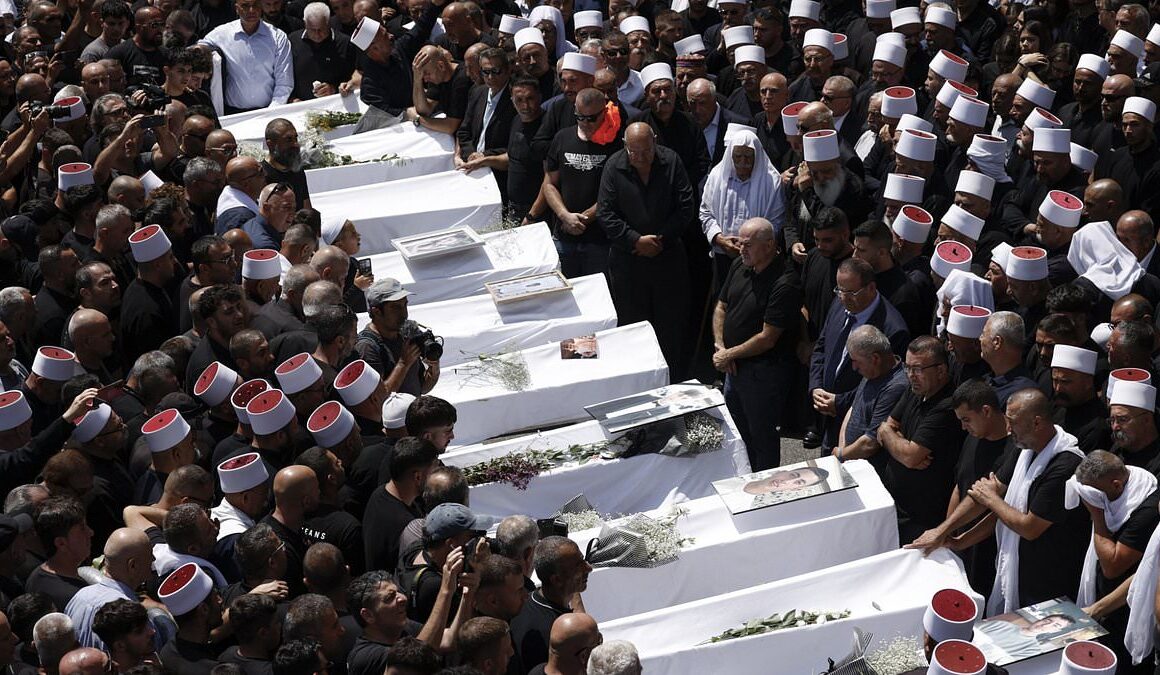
point(963, 288)
point(1140, 484)
point(728, 201)
point(1005, 592)
point(1098, 256)
point(1140, 636)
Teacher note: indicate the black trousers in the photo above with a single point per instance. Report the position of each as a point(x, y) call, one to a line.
point(655, 290)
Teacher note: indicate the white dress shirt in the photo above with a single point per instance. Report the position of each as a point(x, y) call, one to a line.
point(710, 131)
point(259, 68)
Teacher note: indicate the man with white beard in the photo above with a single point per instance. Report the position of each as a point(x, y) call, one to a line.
point(822, 182)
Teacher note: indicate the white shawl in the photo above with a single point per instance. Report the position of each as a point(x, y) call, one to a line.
point(720, 205)
point(232, 198)
point(963, 288)
point(1098, 256)
point(1140, 635)
point(549, 13)
point(1005, 593)
point(1141, 483)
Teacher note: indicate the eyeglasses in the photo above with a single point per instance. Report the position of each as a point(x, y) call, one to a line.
point(490, 72)
point(589, 118)
point(154, 24)
point(616, 52)
point(228, 260)
point(848, 294)
point(1113, 97)
point(826, 98)
point(915, 370)
point(1122, 420)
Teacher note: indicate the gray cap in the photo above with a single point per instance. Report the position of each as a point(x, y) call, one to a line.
point(447, 520)
point(386, 290)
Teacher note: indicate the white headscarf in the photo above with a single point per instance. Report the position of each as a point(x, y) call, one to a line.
point(1140, 635)
point(989, 162)
point(547, 12)
point(963, 288)
point(764, 199)
point(1104, 261)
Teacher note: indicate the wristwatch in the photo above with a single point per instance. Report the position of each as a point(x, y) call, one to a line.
point(416, 121)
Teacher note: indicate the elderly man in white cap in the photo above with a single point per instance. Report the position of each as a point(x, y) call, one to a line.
point(967, 118)
point(674, 129)
point(1052, 170)
point(960, 226)
point(385, 78)
point(749, 68)
point(1079, 411)
point(1125, 54)
point(213, 387)
point(821, 181)
point(189, 595)
point(1134, 166)
point(51, 368)
point(1083, 115)
point(818, 58)
point(1056, 222)
point(382, 345)
point(1131, 416)
point(148, 314)
point(245, 488)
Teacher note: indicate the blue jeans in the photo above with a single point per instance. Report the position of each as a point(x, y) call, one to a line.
point(755, 397)
point(578, 259)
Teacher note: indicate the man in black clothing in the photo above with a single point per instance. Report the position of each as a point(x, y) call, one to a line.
point(1083, 115)
point(1079, 412)
point(645, 202)
point(563, 574)
point(1134, 435)
point(381, 611)
point(573, 166)
point(438, 85)
point(296, 496)
point(323, 58)
point(284, 314)
point(223, 310)
point(392, 507)
point(525, 173)
point(283, 162)
point(383, 348)
point(872, 243)
point(142, 57)
point(1136, 165)
point(674, 129)
point(189, 595)
point(148, 316)
point(328, 523)
point(55, 300)
point(822, 180)
point(755, 335)
point(923, 438)
point(258, 629)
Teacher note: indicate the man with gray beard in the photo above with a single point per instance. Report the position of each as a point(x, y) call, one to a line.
point(283, 163)
point(1134, 435)
point(821, 181)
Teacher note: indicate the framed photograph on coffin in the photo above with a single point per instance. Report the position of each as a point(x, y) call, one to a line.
point(435, 244)
point(655, 405)
point(523, 288)
point(1033, 630)
point(788, 483)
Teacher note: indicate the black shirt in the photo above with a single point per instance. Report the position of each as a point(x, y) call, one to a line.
point(921, 495)
point(330, 61)
point(140, 66)
point(380, 354)
point(295, 552)
point(525, 172)
point(1050, 565)
point(580, 164)
point(337, 527)
point(148, 318)
point(60, 588)
point(182, 657)
point(52, 312)
point(385, 519)
point(532, 626)
point(753, 299)
point(629, 209)
point(1147, 457)
point(451, 96)
point(369, 657)
point(249, 666)
point(295, 179)
point(1088, 422)
point(1134, 534)
point(388, 86)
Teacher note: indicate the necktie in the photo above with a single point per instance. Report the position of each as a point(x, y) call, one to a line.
point(837, 350)
point(488, 112)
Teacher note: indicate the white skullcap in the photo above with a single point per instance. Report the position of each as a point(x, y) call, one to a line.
point(1000, 254)
point(941, 16)
point(269, 412)
point(241, 473)
point(1101, 334)
point(1039, 94)
point(1129, 43)
point(1082, 158)
point(332, 227)
point(1134, 394)
point(901, 187)
point(581, 63)
point(949, 66)
point(820, 146)
point(1027, 263)
point(148, 243)
point(165, 430)
point(967, 321)
point(970, 111)
point(661, 71)
point(975, 183)
point(1126, 375)
point(1095, 64)
point(1140, 106)
point(185, 589)
point(888, 52)
point(915, 122)
point(356, 382)
point(950, 255)
point(1052, 140)
point(951, 91)
point(1074, 358)
point(951, 613)
point(92, 423)
point(1041, 119)
point(690, 45)
point(261, 263)
point(215, 384)
point(632, 24)
point(737, 35)
point(297, 373)
point(819, 37)
point(1061, 208)
point(511, 25)
point(529, 36)
point(364, 34)
point(958, 219)
point(589, 18)
point(74, 174)
point(330, 424)
point(14, 410)
point(904, 16)
point(879, 9)
point(395, 410)
point(747, 54)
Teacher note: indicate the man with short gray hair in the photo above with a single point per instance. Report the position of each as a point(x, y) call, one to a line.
point(883, 383)
point(1001, 345)
point(54, 636)
point(617, 657)
point(284, 314)
point(517, 537)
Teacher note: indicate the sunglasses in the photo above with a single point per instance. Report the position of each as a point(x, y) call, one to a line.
point(490, 72)
point(588, 118)
point(616, 52)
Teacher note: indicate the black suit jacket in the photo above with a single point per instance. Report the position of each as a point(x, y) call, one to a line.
point(497, 134)
point(885, 317)
point(727, 117)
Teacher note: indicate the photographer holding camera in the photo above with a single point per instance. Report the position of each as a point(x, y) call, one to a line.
point(404, 353)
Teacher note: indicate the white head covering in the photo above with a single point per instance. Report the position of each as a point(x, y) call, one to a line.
point(888, 52)
point(737, 35)
point(1095, 64)
point(1082, 158)
point(915, 122)
point(690, 45)
point(1105, 262)
point(365, 33)
point(1074, 358)
point(957, 657)
point(901, 187)
point(975, 183)
point(528, 36)
point(511, 24)
point(1026, 263)
point(952, 90)
point(1061, 208)
point(1052, 140)
point(949, 66)
point(879, 9)
point(967, 321)
point(332, 227)
point(1140, 106)
point(632, 24)
point(898, 101)
point(805, 9)
point(547, 12)
point(92, 423)
point(950, 256)
point(656, 71)
point(989, 153)
point(960, 220)
point(1153, 35)
point(820, 145)
point(999, 255)
point(764, 192)
point(1039, 94)
point(961, 287)
point(581, 63)
point(904, 16)
point(1129, 43)
point(942, 16)
point(912, 224)
point(819, 37)
point(970, 111)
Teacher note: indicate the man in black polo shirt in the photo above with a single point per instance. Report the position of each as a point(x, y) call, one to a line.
point(525, 171)
point(574, 165)
point(923, 437)
point(755, 330)
point(323, 57)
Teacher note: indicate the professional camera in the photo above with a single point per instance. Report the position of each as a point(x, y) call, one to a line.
point(54, 111)
point(430, 346)
point(155, 97)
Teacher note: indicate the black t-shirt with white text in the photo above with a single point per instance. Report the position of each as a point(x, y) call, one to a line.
point(580, 164)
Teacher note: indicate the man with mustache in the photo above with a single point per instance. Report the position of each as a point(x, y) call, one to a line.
point(1078, 410)
point(283, 163)
point(1134, 435)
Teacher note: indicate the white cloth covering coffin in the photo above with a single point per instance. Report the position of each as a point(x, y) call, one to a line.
point(505, 255)
point(630, 362)
point(386, 211)
point(250, 127)
point(900, 583)
point(658, 481)
point(476, 325)
point(730, 553)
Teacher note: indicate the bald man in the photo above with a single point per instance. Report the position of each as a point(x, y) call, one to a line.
point(95, 80)
point(1115, 90)
point(644, 203)
point(773, 92)
point(238, 202)
point(92, 339)
point(460, 32)
point(1137, 232)
point(239, 242)
point(276, 208)
point(221, 147)
point(434, 66)
point(332, 264)
point(1103, 200)
point(85, 661)
point(573, 638)
point(128, 192)
point(296, 494)
point(128, 565)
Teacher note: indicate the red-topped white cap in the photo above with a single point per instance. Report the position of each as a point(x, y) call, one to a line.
point(737, 35)
point(1087, 658)
point(261, 263)
point(913, 224)
point(1042, 119)
point(908, 121)
point(975, 183)
point(948, 256)
point(970, 111)
point(1138, 105)
point(841, 47)
point(149, 243)
point(297, 373)
point(150, 181)
point(244, 394)
point(511, 24)
point(1082, 158)
point(92, 423)
point(889, 52)
point(185, 589)
point(165, 430)
point(1131, 387)
point(1038, 94)
point(74, 174)
point(957, 657)
point(269, 412)
point(960, 220)
point(215, 384)
point(1052, 140)
point(819, 37)
point(967, 321)
point(1074, 358)
point(55, 363)
point(1095, 64)
point(1061, 208)
point(917, 145)
point(365, 33)
point(1125, 375)
point(330, 424)
point(14, 410)
point(820, 146)
point(76, 109)
point(904, 16)
point(789, 117)
point(1129, 43)
point(685, 46)
point(241, 473)
point(949, 66)
point(1027, 263)
point(941, 16)
point(952, 90)
point(356, 382)
point(951, 614)
point(395, 410)
point(901, 187)
point(805, 9)
point(898, 101)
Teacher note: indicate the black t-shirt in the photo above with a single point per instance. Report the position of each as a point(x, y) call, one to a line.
point(385, 519)
point(525, 172)
point(295, 552)
point(580, 164)
point(331, 61)
point(1147, 457)
point(60, 588)
point(532, 626)
point(1050, 565)
point(921, 495)
point(381, 354)
point(421, 583)
point(753, 299)
point(979, 458)
point(182, 657)
point(140, 66)
point(249, 666)
point(1134, 534)
point(451, 96)
point(369, 657)
point(335, 526)
point(295, 179)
